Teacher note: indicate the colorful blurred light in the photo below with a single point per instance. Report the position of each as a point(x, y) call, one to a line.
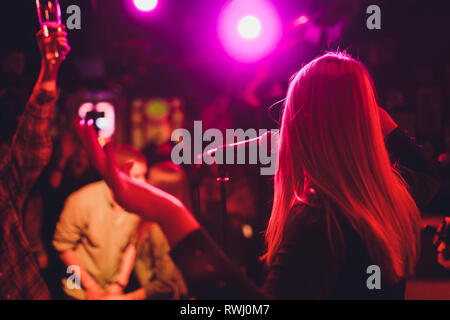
point(106, 124)
point(102, 123)
point(146, 5)
point(301, 20)
point(249, 29)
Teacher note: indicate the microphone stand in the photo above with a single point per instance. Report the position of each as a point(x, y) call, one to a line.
point(223, 217)
point(222, 179)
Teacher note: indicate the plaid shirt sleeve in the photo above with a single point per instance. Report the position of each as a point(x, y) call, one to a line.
point(32, 146)
point(29, 154)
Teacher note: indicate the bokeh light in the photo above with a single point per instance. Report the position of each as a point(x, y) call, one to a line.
point(102, 123)
point(301, 20)
point(146, 5)
point(249, 29)
point(106, 124)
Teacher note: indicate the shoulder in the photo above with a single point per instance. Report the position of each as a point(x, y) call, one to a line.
point(91, 190)
point(305, 231)
point(313, 226)
point(87, 196)
point(304, 217)
point(317, 218)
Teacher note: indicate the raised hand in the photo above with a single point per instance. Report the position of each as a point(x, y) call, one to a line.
point(115, 179)
point(56, 36)
point(150, 203)
point(50, 66)
point(128, 193)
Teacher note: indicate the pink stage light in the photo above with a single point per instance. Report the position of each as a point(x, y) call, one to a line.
point(145, 5)
point(249, 29)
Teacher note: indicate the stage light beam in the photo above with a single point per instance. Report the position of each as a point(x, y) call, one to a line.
point(146, 5)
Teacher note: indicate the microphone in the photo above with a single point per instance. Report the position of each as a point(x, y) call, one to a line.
point(267, 142)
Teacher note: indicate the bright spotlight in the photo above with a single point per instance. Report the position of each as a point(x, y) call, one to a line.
point(249, 27)
point(145, 5)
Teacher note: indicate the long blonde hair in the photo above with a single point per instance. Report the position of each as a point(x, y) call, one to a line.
point(331, 141)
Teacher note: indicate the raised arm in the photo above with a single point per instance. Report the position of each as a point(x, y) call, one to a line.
point(150, 203)
point(207, 270)
point(31, 147)
point(419, 173)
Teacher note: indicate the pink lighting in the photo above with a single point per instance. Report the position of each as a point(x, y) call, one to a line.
point(146, 5)
point(301, 20)
point(249, 29)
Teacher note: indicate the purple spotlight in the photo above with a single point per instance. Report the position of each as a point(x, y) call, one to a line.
point(249, 29)
point(145, 5)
